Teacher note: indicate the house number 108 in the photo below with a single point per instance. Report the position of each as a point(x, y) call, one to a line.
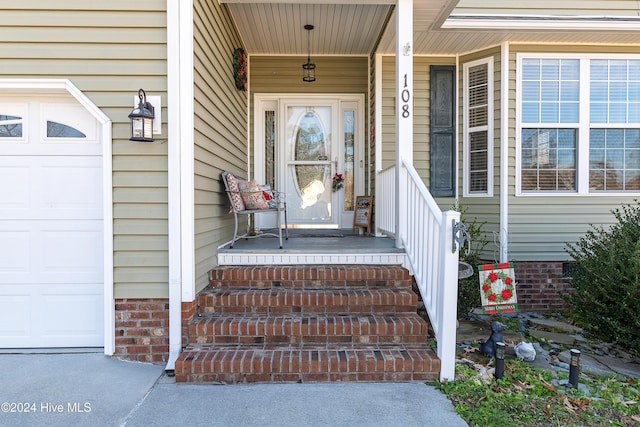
point(406, 96)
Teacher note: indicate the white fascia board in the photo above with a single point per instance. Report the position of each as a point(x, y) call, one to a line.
point(540, 23)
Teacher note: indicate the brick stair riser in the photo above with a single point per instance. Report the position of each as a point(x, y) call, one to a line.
point(312, 277)
point(297, 329)
point(307, 301)
point(310, 284)
point(231, 365)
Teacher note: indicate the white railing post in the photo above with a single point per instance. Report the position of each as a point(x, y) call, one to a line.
point(448, 304)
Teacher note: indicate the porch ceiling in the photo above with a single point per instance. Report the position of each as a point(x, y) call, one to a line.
point(361, 27)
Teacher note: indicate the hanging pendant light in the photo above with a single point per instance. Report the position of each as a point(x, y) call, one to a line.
point(309, 68)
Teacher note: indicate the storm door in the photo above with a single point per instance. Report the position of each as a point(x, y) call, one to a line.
point(302, 143)
point(310, 163)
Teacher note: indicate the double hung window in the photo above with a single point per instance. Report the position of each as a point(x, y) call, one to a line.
point(579, 124)
point(478, 128)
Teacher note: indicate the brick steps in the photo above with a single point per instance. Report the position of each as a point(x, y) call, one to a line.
point(307, 323)
point(311, 276)
point(287, 300)
point(239, 364)
point(313, 329)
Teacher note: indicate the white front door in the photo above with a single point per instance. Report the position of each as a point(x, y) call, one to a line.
point(302, 142)
point(309, 147)
point(51, 232)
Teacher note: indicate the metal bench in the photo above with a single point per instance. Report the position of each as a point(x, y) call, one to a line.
point(238, 194)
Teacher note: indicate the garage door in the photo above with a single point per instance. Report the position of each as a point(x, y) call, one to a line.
point(51, 232)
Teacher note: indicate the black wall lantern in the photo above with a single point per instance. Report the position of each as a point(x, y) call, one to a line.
point(142, 120)
point(309, 68)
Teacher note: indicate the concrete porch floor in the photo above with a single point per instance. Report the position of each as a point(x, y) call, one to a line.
point(313, 246)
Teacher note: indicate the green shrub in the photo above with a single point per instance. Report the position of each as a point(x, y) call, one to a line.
point(606, 279)
point(469, 288)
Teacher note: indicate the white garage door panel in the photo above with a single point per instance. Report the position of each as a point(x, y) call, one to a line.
point(14, 250)
point(51, 187)
point(51, 315)
point(51, 224)
point(71, 187)
point(75, 116)
point(15, 314)
point(74, 255)
point(51, 251)
point(14, 186)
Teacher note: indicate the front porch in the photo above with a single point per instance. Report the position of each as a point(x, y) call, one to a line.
point(313, 247)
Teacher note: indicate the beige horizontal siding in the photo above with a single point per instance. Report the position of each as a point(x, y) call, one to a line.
point(278, 74)
point(108, 50)
point(421, 99)
point(220, 131)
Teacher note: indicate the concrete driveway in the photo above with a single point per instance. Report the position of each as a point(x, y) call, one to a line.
point(90, 389)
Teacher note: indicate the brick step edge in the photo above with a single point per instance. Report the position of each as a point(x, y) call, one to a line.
point(329, 300)
point(295, 328)
point(311, 276)
point(235, 364)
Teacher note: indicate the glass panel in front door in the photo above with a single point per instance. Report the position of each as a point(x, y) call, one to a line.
point(349, 160)
point(309, 166)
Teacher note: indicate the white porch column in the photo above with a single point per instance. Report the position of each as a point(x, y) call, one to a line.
point(404, 110)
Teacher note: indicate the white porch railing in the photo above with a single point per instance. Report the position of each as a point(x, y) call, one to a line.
point(385, 206)
point(431, 253)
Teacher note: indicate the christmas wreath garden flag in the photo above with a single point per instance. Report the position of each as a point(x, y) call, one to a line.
point(498, 288)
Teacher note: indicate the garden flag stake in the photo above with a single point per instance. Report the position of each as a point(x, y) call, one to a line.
point(498, 288)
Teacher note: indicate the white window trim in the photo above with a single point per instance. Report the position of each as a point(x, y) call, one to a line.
point(466, 162)
point(582, 148)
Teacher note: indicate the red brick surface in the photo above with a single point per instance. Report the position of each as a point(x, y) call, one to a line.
point(142, 329)
point(307, 323)
point(262, 363)
point(539, 286)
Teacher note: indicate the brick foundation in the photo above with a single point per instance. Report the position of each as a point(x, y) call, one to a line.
point(539, 285)
point(189, 310)
point(142, 329)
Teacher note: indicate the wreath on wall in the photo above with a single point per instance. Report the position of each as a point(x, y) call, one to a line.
point(492, 292)
point(240, 68)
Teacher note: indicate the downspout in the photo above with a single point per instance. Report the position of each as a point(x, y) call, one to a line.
point(504, 152)
point(174, 112)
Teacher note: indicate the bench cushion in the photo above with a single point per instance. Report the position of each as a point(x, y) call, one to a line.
point(252, 196)
point(234, 190)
